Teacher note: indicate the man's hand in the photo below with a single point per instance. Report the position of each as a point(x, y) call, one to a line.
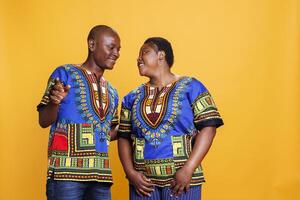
point(58, 92)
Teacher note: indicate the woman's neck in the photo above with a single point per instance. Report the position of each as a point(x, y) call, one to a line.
point(162, 79)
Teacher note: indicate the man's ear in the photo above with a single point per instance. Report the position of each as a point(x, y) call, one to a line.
point(91, 45)
point(161, 55)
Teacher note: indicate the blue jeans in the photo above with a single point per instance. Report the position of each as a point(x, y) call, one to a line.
point(165, 193)
point(77, 190)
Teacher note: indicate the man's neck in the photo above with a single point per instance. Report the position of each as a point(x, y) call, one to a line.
point(90, 65)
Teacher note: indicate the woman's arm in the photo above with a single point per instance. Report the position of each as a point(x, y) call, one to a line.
point(113, 132)
point(142, 184)
point(203, 141)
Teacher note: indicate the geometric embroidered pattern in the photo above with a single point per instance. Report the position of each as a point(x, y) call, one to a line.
point(154, 104)
point(169, 116)
point(139, 146)
point(161, 171)
point(99, 91)
point(104, 124)
point(125, 123)
point(45, 100)
point(78, 141)
point(81, 140)
point(204, 108)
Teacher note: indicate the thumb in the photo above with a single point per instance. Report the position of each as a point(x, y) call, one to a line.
point(173, 183)
point(67, 88)
point(145, 178)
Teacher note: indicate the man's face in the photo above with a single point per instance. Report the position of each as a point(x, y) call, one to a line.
point(105, 50)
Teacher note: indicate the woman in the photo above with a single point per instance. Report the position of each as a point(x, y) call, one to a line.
point(167, 126)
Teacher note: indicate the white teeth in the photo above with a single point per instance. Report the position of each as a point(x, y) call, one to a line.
point(141, 65)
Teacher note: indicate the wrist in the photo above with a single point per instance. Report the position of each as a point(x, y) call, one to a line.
point(130, 172)
point(54, 104)
point(189, 169)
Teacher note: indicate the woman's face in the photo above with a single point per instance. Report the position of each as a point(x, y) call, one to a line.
point(148, 60)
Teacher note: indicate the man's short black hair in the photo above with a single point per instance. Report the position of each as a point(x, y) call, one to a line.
point(99, 28)
point(162, 44)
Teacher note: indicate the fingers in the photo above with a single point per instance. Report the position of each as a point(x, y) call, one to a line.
point(187, 188)
point(58, 91)
point(147, 182)
point(175, 189)
point(136, 190)
point(57, 94)
point(58, 85)
point(54, 99)
point(145, 178)
point(173, 183)
point(179, 188)
point(142, 192)
point(143, 185)
point(147, 189)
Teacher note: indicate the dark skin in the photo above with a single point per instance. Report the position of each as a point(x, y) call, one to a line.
point(203, 142)
point(142, 184)
point(153, 65)
point(103, 52)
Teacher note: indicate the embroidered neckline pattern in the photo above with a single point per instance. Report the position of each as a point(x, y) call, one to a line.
point(102, 127)
point(99, 93)
point(171, 100)
point(155, 103)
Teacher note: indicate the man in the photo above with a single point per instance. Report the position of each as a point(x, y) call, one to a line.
point(81, 107)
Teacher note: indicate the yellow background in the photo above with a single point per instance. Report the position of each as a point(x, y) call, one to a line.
point(245, 51)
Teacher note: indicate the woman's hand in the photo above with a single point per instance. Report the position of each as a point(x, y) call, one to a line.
point(181, 181)
point(142, 184)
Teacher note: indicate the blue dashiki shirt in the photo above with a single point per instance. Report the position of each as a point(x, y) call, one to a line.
point(162, 124)
point(79, 139)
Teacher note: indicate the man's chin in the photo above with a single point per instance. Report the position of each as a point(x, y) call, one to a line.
point(109, 67)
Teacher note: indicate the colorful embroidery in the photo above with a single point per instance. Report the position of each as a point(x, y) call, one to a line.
point(154, 104)
point(204, 108)
point(45, 100)
point(139, 146)
point(125, 123)
point(169, 115)
point(162, 126)
point(99, 92)
point(161, 171)
point(84, 108)
point(78, 142)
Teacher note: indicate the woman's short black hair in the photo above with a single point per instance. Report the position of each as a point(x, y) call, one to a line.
point(162, 45)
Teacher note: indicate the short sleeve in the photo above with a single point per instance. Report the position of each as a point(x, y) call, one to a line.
point(115, 120)
point(125, 128)
point(59, 73)
point(204, 108)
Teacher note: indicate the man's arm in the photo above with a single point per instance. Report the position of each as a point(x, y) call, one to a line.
point(48, 113)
